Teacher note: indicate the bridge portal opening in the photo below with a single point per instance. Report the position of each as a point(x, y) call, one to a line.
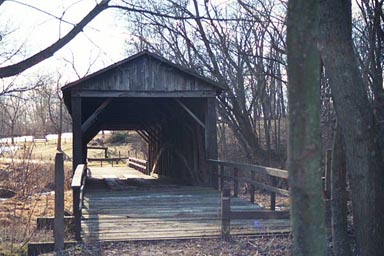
point(117, 144)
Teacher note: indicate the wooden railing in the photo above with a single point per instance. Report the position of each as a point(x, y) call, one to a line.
point(139, 164)
point(246, 173)
point(228, 215)
point(110, 159)
point(78, 183)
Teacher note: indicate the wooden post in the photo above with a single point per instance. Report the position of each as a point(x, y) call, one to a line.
point(77, 182)
point(58, 231)
point(147, 167)
point(235, 182)
point(221, 177)
point(77, 213)
point(252, 188)
point(225, 211)
point(273, 194)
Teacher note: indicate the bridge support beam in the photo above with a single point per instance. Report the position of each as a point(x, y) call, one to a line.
point(77, 134)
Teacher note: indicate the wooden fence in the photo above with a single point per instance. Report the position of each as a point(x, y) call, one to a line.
point(246, 173)
point(139, 164)
point(110, 160)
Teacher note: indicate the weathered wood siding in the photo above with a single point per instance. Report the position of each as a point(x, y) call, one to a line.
point(146, 74)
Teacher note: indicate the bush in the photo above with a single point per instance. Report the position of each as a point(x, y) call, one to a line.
point(118, 138)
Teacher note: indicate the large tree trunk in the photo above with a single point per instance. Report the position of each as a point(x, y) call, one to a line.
point(341, 245)
point(304, 143)
point(356, 119)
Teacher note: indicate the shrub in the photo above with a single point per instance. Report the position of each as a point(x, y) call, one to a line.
point(118, 138)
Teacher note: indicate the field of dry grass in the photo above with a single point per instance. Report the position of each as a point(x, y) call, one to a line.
point(33, 184)
point(30, 173)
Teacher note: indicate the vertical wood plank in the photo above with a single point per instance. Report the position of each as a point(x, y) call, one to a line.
point(235, 182)
point(221, 177)
point(149, 161)
point(225, 211)
point(77, 213)
point(84, 151)
point(58, 231)
point(252, 188)
point(273, 194)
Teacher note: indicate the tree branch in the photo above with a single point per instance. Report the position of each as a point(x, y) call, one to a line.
point(21, 66)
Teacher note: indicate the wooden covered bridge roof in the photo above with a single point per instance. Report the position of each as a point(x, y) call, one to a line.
point(144, 74)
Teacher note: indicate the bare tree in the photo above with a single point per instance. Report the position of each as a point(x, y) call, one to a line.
point(12, 109)
point(17, 68)
point(368, 36)
point(359, 125)
point(58, 115)
point(233, 45)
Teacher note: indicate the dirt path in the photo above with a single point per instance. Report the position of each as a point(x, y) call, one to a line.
point(260, 246)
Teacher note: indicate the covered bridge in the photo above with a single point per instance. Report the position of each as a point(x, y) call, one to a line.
point(171, 107)
point(174, 110)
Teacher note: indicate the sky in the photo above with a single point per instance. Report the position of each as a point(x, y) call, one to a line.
point(102, 40)
point(102, 43)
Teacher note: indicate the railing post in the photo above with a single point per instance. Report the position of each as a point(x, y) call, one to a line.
point(77, 183)
point(273, 194)
point(77, 213)
point(214, 175)
point(235, 182)
point(221, 177)
point(59, 203)
point(225, 214)
point(252, 189)
point(147, 171)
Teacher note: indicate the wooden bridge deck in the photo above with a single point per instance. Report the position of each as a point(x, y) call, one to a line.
point(122, 204)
